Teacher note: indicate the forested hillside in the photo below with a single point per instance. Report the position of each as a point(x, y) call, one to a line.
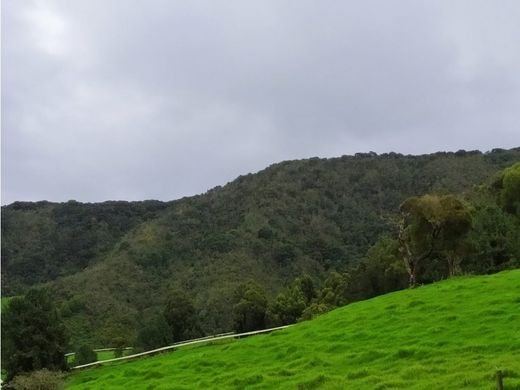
point(110, 266)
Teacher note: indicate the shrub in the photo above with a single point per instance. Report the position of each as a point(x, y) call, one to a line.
point(37, 380)
point(84, 355)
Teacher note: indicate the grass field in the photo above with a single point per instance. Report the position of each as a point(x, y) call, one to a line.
point(449, 335)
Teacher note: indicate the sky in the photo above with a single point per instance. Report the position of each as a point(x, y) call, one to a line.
point(160, 99)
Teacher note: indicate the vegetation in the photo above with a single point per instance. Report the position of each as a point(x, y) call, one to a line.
point(100, 356)
point(432, 223)
point(472, 327)
point(38, 380)
point(111, 267)
point(84, 355)
point(249, 312)
point(33, 335)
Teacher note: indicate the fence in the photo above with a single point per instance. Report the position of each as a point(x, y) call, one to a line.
point(221, 336)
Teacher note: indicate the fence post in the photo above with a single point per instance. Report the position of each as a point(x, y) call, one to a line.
point(500, 383)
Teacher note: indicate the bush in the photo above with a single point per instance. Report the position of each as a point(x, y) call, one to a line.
point(155, 334)
point(119, 344)
point(37, 380)
point(84, 355)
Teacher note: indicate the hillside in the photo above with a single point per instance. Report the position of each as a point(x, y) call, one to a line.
point(109, 265)
point(449, 335)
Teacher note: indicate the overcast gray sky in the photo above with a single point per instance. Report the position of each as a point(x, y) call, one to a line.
point(141, 99)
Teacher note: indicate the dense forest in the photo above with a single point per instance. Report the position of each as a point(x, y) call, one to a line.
point(291, 236)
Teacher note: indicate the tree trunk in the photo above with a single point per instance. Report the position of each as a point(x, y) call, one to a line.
point(453, 266)
point(412, 283)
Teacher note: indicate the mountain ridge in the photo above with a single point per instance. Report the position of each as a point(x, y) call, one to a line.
point(110, 264)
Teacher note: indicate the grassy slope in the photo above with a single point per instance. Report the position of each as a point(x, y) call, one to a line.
point(450, 335)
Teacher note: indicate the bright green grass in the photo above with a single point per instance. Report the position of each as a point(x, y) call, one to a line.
point(449, 335)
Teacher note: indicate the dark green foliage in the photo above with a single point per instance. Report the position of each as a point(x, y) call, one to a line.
point(84, 354)
point(265, 233)
point(382, 271)
point(494, 238)
point(250, 310)
point(289, 305)
point(335, 291)
point(508, 186)
point(33, 335)
point(119, 343)
point(111, 264)
point(306, 286)
point(179, 313)
point(155, 334)
point(432, 224)
point(42, 241)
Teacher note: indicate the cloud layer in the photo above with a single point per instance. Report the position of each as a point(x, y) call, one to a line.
point(160, 99)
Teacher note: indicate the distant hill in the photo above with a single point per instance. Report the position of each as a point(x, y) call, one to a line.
point(110, 264)
point(449, 335)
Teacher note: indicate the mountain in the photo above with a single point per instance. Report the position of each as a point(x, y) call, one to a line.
point(448, 335)
point(110, 265)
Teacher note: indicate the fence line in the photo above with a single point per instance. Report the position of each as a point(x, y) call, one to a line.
point(182, 344)
point(179, 342)
point(101, 350)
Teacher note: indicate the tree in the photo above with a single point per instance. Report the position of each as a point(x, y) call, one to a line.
point(155, 334)
point(456, 224)
point(508, 186)
point(289, 304)
point(179, 313)
point(250, 309)
point(306, 286)
point(428, 223)
point(84, 355)
point(287, 308)
point(33, 335)
point(381, 271)
point(119, 344)
point(494, 238)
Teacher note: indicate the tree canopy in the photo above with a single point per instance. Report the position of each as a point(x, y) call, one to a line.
point(109, 266)
point(432, 223)
point(33, 335)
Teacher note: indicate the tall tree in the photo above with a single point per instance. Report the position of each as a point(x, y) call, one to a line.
point(179, 313)
point(250, 309)
point(432, 223)
point(155, 334)
point(508, 186)
point(33, 335)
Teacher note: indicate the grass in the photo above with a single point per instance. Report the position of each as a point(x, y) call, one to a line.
point(450, 335)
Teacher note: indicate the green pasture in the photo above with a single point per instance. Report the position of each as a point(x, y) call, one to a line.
point(450, 335)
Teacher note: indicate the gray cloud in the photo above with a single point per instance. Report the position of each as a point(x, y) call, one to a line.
point(161, 99)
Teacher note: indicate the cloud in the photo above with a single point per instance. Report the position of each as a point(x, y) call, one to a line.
point(161, 99)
